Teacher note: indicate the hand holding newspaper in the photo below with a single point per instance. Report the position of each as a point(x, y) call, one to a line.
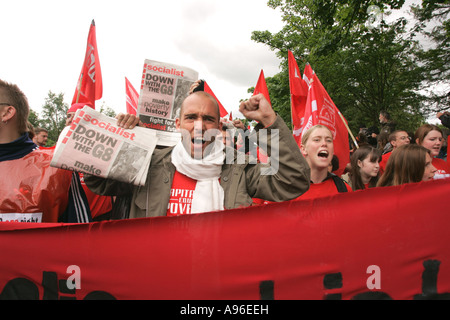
point(94, 144)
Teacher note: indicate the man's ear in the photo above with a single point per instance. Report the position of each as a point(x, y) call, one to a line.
point(177, 124)
point(7, 113)
point(394, 143)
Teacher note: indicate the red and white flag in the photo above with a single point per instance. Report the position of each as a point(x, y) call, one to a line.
point(132, 97)
point(320, 109)
point(223, 111)
point(89, 86)
point(299, 92)
point(261, 87)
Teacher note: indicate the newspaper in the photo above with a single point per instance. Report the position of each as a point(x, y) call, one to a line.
point(164, 87)
point(94, 144)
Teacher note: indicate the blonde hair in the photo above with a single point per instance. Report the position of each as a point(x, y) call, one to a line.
point(308, 132)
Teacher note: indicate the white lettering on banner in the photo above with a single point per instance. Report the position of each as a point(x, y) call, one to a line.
point(374, 281)
point(74, 281)
point(21, 217)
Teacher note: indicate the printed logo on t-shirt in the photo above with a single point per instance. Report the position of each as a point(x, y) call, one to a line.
point(181, 195)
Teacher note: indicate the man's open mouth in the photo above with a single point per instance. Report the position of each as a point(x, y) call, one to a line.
point(198, 140)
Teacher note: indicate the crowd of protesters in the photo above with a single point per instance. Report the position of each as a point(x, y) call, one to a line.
point(193, 177)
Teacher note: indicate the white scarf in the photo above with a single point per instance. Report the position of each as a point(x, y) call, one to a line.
point(208, 194)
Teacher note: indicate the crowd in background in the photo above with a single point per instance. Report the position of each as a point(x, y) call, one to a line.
point(384, 156)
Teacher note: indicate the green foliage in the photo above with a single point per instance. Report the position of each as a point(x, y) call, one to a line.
point(433, 23)
point(365, 69)
point(107, 110)
point(53, 116)
point(33, 118)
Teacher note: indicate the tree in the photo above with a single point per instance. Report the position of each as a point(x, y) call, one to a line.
point(33, 118)
point(364, 69)
point(434, 25)
point(107, 110)
point(381, 73)
point(53, 118)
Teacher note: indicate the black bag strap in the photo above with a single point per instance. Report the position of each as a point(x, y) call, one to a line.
point(340, 184)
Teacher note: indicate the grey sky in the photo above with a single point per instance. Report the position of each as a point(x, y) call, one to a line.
point(44, 42)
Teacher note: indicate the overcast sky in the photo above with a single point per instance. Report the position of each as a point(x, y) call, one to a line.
point(44, 43)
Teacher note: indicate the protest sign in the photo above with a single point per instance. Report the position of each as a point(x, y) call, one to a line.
point(164, 86)
point(94, 144)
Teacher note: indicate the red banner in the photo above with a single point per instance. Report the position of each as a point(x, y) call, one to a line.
point(381, 243)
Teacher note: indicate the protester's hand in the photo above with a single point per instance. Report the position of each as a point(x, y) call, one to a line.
point(259, 109)
point(238, 124)
point(194, 85)
point(127, 120)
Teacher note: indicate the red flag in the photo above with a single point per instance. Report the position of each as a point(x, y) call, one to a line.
point(223, 111)
point(132, 97)
point(89, 86)
point(231, 116)
point(299, 91)
point(320, 109)
point(308, 74)
point(261, 87)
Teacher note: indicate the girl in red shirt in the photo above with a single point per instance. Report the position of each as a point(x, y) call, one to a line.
point(318, 149)
point(365, 164)
point(431, 137)
point(408, 164)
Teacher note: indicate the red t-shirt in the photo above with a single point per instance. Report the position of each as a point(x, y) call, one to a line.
point(383, 162)
point(322, 189)
point(181, 195)
point(316, 190)
point(443, 169)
